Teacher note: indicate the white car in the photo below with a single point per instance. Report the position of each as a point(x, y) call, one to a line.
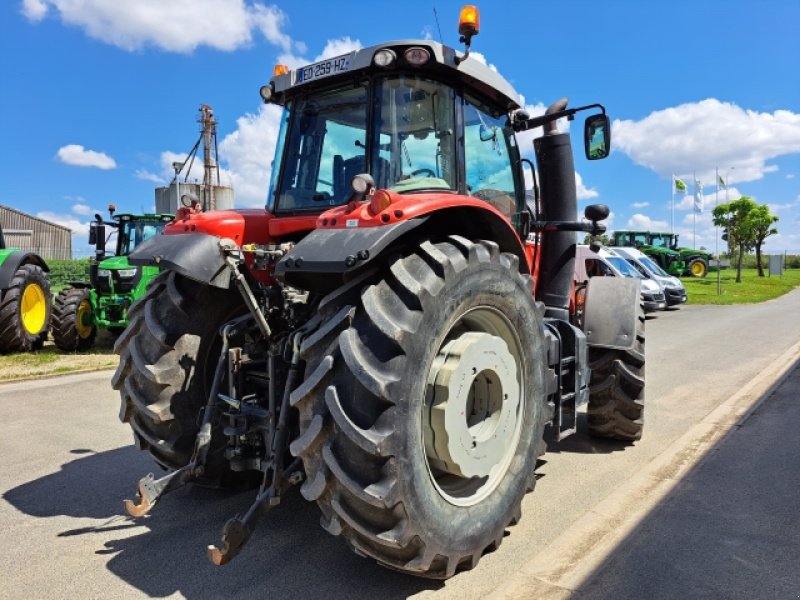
point(607, 262)
point(674, 291)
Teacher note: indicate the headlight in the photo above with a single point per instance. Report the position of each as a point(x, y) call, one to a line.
point(127, 273)
point(103, 273)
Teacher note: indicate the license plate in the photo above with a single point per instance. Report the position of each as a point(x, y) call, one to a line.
point(323, 68)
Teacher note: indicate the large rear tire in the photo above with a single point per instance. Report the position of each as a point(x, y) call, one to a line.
point(73, 320)
point(422, 410)
point(697, 267)
point(25, 310)
point(168, 355)
point(616, 389)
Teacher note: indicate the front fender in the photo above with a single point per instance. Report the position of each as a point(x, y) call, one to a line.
point(196, 256)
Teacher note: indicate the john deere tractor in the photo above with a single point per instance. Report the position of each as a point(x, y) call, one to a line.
point(114, 284)
point(24, 299)
point(396, 330)
point(663, 248)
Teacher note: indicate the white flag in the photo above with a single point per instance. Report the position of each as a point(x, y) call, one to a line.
point(698, 197)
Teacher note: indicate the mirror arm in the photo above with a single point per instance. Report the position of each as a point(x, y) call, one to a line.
point(594, 227)
point(569, 113)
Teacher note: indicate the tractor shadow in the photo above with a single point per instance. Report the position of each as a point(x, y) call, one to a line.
point(581, 442)
point(289, 554)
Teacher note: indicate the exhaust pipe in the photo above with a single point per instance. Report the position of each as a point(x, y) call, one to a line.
point(559, 203)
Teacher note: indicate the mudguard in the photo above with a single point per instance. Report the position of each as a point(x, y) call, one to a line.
point(611, 312)
point(14, 262)
point(196, 256)
point(326, 257)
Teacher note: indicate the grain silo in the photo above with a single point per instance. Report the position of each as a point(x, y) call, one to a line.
point(210, 192)
point(32, 234)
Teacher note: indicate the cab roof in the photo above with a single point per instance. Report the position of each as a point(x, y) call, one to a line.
point(471, 72)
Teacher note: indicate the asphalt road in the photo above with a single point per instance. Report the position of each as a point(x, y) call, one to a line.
point(67, 463)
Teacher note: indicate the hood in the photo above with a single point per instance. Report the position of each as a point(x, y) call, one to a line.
point(115, 263)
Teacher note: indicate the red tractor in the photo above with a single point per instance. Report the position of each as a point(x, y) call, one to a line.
point(396, 331)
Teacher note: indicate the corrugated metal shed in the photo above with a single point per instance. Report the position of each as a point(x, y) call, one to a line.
point(33, 234)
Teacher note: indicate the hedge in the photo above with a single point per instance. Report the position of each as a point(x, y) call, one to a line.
point(64, 271)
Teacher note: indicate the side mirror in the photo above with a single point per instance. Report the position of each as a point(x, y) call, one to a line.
point(487, 133)
point(597, 137)
point(93, 233)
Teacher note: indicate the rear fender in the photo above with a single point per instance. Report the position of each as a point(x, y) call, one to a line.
point(611, 312)
point(328, 257)
point(196, 256)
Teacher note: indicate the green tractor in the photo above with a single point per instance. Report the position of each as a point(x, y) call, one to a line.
point(668, 259)
point(114, 284)
point(696, 261)
point(663, 248)
point(24, 299)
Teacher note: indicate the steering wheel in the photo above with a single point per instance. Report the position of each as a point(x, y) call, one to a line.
point(418, 172)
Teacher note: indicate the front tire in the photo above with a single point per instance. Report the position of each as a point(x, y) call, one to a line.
point(406, 478)
point(73, 320)
point(25, 310)
point(616, 389)
point(168, 355)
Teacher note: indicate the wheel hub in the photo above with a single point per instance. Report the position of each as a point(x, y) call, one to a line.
point(474, 405)
point(33, 309)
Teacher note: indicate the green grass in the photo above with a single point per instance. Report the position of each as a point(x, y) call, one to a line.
point(752, 288)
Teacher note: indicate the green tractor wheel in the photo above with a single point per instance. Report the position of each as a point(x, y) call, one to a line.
point(73, 320)
point(25, 310)
point(698, 267)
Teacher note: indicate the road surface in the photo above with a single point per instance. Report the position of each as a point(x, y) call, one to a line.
point(67, 463)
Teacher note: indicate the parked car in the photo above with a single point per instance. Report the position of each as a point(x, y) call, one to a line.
point(674, 291)
point(601, 261)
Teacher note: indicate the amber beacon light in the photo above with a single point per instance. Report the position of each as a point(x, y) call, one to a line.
point(469, 22)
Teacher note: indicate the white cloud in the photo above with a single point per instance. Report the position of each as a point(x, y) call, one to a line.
point(174, 26)
point(82, 209)
point(334, 47)
point(148, 176)
point(34, 10)
point(78, 228)
point(701, 136)
point(640, 204)
point(248, 152)
point(584, 193)
point(640, 221)
point(78, 156)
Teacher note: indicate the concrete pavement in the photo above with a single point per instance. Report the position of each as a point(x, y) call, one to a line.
point(717, 518)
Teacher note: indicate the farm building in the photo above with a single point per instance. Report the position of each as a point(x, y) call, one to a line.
point(33, 234)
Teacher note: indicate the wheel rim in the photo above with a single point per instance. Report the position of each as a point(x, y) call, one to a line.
point(83, 320)
point(33, 309)
point(474, 404)
point(698, 269)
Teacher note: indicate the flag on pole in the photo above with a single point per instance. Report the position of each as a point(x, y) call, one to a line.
point(680, 186)
point(698, 197)
point(722, 183)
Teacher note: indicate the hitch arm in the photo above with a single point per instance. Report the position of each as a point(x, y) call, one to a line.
point(151, 489)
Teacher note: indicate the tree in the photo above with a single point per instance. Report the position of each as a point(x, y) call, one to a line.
point(602, 238)
point(761, 221)
point(746, 225)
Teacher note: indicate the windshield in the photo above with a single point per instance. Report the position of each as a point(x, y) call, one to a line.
point(653, 266)
point(133, 233)
point(414, 145)
point(323, 141)
point(621, 265)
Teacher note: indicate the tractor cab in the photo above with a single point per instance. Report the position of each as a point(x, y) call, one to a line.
point(402, 112)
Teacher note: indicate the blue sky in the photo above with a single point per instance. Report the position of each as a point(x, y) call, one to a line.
point(100, 96)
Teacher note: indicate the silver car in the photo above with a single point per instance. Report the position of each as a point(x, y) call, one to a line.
point(674, 291)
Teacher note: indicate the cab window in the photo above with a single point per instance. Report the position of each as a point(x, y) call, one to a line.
point(489, 175)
